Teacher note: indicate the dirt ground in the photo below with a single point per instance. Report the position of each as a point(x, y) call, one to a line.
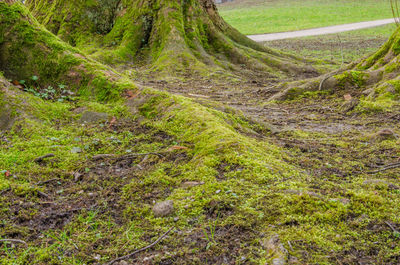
point(333, 146)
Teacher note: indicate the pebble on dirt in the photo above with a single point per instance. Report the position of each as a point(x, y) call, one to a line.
point(76, 150)
point(162, 209)
point(122, 262)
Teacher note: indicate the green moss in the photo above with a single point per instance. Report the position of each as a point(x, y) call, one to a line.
point(382, 104)
point(28, 49)
point(352, 78)
point(248, 188)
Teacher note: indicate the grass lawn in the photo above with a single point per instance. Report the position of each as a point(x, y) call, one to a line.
point(339, 48)
point(265, 16)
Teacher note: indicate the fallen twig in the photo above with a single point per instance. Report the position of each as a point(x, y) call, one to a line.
point(14, 241)
point(46, 181)
point(384, 168)
point(290, 245)
point(142, 249)
point(41, 158)
point(41, 193)
point(391, 227)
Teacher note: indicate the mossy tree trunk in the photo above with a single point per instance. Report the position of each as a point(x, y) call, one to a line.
point(27, 49)
point(172, 36)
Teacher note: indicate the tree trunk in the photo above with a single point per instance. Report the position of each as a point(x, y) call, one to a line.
point(167, 36)
point(27, 50)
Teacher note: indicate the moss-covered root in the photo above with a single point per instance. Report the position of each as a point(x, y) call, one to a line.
point(375, 77)
point(173, 37)
point(27, 49)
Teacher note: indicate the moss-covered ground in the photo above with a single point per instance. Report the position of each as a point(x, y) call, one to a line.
point(252, 181)
point(234, 184)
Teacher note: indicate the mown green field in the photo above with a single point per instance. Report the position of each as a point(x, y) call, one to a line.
point(261, 16)
point(339, 48)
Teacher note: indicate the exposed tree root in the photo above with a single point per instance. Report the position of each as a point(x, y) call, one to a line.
point(175, 37)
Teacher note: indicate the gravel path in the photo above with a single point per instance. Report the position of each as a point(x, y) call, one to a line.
point(320, 31)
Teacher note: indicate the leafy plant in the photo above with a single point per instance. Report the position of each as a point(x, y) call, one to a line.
point(60, 93)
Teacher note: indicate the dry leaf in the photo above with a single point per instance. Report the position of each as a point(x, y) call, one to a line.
point(130, 94)
point(177, 147)
point(112, 122)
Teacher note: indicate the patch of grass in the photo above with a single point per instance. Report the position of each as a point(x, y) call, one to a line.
point(337, 49)
point(257, 17)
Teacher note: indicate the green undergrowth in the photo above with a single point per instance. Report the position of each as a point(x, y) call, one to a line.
point(358, 200)
point(246, 167)
point(244, 184)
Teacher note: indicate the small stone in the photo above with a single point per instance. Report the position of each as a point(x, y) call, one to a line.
point(122, 262)
point(76, 150)
point(163, 209)
point(176, 219)
point(218, 191)
point(92, 117)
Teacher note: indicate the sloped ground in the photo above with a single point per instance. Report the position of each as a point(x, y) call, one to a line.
point(238, 168)
point(91, 199)
point(252, 181)
point(348, 211)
